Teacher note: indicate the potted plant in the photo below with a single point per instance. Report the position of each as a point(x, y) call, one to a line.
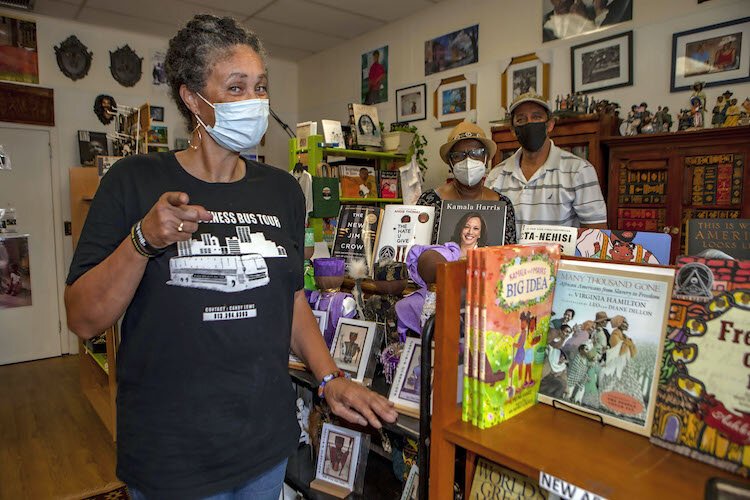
point(416, 143)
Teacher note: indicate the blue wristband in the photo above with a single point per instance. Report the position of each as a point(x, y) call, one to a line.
point(328, 378)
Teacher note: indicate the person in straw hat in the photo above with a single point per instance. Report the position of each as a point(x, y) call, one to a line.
point(546, 184)
point(467, 152)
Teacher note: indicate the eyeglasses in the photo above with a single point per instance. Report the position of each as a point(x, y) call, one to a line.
point(475, 154)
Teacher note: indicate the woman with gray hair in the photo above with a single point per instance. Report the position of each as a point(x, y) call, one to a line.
point(202, 251)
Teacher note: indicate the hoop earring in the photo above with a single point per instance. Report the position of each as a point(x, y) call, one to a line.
point(200, 138)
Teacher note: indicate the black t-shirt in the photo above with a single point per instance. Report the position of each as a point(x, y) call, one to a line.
point(205, 401)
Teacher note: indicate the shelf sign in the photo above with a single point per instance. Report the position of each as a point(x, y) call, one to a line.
point(564, 489)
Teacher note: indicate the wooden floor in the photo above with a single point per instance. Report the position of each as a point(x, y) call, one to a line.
point(52, 444)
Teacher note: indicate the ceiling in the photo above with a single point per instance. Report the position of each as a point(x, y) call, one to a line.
point(291, 29)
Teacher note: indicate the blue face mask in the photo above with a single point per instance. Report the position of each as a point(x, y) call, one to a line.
point(239, 125)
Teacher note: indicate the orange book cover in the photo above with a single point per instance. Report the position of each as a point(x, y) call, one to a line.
point(516, 302)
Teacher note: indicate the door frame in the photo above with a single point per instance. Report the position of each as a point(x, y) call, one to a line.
point(68, 341)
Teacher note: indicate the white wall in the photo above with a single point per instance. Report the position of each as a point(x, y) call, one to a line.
point(74, 102)
point(507, 28)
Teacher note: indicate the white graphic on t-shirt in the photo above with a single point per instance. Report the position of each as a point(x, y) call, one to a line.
point(238, 266)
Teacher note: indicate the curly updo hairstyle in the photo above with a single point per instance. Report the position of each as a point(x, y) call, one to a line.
point(194, 50)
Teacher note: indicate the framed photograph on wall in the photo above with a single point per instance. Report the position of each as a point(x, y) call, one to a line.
point(455, 100)
point(452, 50)
point(411, 103)
point(375, 76)
point(562, 20)
point(157, 113)
point(717, 55)
point(524, 74)
point(351, 348)
point(602, 64)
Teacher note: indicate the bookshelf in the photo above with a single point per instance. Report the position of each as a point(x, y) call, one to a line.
point(602, 459)
point(315, 154)
point(97, 370)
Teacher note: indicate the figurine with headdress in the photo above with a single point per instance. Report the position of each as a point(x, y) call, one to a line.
point(329, 276)
point(732, 118)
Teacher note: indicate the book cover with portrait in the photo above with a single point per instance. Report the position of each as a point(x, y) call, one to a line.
point(356, 233)
point(358, 181)
point(472, 224)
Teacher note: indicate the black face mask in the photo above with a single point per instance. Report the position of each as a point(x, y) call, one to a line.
point(531, 135)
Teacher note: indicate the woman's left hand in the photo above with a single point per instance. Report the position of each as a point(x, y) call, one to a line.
point(358, 404)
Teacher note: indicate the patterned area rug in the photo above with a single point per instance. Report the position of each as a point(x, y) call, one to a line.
point(119, 493)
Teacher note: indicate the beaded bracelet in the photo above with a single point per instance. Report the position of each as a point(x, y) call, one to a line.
point(142, 246)
point(328, 378)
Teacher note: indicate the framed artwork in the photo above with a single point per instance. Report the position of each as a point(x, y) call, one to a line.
point(19, 59)
point(322, 317)
point(411, 103)
point(717, 55)
point(406, 382)
point(524, 74)
point(411, 487)
point(157, 113)
point(452, 50)
point(366, 124)
point(602, 64)
point(91, 145)
point(157, 134)
point(158, 70)
point(351, 348)
point(338, 457)
point(455, 100)
point(375, 76)
point(562, 20)
point(15, 273)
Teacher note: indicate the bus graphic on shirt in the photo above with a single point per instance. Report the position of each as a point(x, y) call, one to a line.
point(238, 265)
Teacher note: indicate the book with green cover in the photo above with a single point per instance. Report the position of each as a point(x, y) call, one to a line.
point(516, 303)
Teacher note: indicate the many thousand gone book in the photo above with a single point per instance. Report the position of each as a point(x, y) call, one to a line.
point(509, 301)
point(703, 402)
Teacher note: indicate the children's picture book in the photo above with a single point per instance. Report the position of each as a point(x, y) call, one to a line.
point(91, 145)
point(624, 246)
point(358, 181)
point(730, 236)
point(493, 481)
point(305, 130)
point(515, 299)
point(472, 224)
point(365, 125)
point(467, 410)
point(388, 187)
point(157, 134)
point(564, 236)
point(356, 234)
point(403, 227)
point(333, 135)
point(406, 382)
point(605, 340)
point(703, 402)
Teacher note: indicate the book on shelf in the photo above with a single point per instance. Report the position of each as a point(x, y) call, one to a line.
point(731, 236)
point(365, 125)
point(388, 184)
point(702, 407)
point(358, 181)
point(493, 481)
point(472, 223)
point(334, 135)
point(565, 236)
point(305, 130)
point(624, 246)
point(516, 283)
point(325, 195)
point(605, 339)
point(356, 233)
point(403, 226)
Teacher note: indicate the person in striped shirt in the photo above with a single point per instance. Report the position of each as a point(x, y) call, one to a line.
point(546, 184)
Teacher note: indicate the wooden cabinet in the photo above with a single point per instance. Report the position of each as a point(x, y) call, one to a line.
point(605, 460)
point(97, 370)
point(581, 135)
point(659, 181)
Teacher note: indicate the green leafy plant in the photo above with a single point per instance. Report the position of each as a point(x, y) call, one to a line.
point(418, 144)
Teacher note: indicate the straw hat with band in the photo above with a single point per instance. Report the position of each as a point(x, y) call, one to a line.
point(529, 97)
point(467, 130)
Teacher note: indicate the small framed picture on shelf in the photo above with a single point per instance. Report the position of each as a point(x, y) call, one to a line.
point(406, 382)
point(157, 113)
point(411, 487)
point(340, 461)
point(305, 130)
point(157, 134)
point(716, 55)
point(294, 361)
point(411, 103)
point(602, 64)
point(351, 348)
point(455, 100)
point(524, 74)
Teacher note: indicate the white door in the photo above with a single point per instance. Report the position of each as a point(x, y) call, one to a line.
point(29, 314)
